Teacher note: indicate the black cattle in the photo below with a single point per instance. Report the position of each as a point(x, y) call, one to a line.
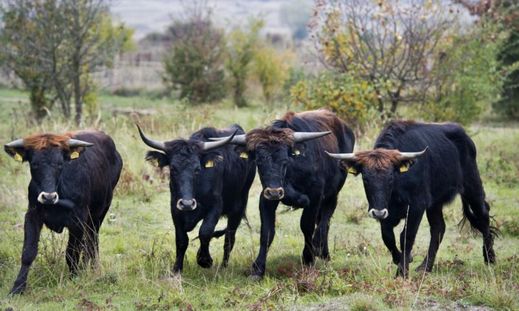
point(294, 170)
point(72, 181)
point(402, 182)
point(207, 180)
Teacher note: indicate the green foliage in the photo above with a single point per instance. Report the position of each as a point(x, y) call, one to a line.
point(352, 100)
point(54, 46)
point(508, 106)
point(271, 68)
point(195, 63)
point(385, 43)
point(469, 79)
point(242, 45)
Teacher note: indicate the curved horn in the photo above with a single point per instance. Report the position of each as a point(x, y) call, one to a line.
point(150, 142)
point(237, 140)
point(18, 143)
point(412, 155)
point(78, 143)
point(342, 156)
point(215, 144)
point(304, 136)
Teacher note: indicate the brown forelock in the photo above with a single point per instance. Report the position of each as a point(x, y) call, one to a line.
point(268, 136)
point(378, 159)
point(325, 120)
point(47, 140)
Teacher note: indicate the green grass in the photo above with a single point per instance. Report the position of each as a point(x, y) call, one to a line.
point(137, 240)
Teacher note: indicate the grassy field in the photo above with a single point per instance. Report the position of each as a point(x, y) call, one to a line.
point(137, 240)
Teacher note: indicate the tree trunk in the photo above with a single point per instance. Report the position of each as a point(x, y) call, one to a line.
point(38, 103)
point(78, 100)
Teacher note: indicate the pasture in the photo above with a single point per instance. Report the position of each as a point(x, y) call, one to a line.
point(137, 238)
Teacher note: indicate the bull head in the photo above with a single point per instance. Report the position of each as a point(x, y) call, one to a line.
point(183, 158)
point(46, 160)
point(204, 146)
point(379, 168)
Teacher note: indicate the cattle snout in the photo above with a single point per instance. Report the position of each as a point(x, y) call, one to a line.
point(48, 197)
point(274, 193)
point(186, 205)
point(378, 214)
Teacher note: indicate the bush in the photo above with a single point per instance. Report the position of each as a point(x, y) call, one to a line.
point(508, 106)
point(242, 46)
point(195, 63)
point(468, 77)
point(271, 69)
point(353, 101)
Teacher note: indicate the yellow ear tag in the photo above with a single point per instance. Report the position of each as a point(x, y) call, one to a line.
point(18, 157)
point(74, 155)
point(209, 163)
point(404, 168)
point(244, 155)
point(297, 152)
point(352, 170)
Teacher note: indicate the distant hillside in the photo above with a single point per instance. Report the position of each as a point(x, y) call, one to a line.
point(154, 15)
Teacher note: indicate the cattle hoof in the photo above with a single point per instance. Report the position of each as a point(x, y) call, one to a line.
point(255, 277)
point(490, 256)
point(423, 268)
point(205, 262)
point(401, 272)
point(17, 290)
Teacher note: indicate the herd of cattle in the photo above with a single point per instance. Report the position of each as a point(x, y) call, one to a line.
point(302, 161)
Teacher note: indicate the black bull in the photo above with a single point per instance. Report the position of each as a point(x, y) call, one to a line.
point(72, 182)
point(207, 180)
point(294, 170)
point(439, 162)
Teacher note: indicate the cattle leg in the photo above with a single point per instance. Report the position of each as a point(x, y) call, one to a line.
point(91, 243)
point(268, 230)
point(388, 236)
point(307, 225)
point(74, 247)
point(437, 223)
point(407, 238)
point(203, 257)
point(233, 222)
point(181, 243)
point(32, 229)
point(320, 240)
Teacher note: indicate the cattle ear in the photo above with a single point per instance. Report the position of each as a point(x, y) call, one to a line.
point(156, 158)
point(351, 167)
point(75, 152)
point(17, 153)
point(405, 165)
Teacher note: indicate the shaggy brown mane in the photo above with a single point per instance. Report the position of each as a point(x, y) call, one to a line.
point(325, 121)
point(378, 159)
point(47, 140)
point(269, 135)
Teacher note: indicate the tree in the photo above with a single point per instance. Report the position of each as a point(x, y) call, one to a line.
point(467, 75)
point(53, 46)
point(25, 49)
point(241, 48)
point(506, 14)
point(195, 63)
point(271, 69)
point(389, 44)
